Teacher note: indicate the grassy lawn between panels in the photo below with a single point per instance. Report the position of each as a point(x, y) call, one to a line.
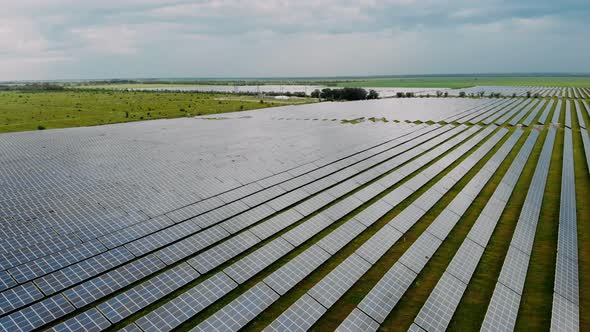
point(22, 111)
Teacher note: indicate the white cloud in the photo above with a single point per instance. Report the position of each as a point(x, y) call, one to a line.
point(123, 38)
point(111, 40)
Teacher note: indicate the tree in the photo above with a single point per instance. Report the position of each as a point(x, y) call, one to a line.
point(462, 94)
point(344, 94)
point(315, 93)
point(326, 94)
point(373, 94)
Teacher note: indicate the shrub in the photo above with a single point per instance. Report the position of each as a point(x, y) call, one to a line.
point(373, 94)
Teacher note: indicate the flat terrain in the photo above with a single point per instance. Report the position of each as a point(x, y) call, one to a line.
point(469, 81)
point(20, 111)
point(412, 213)
point(452, 81)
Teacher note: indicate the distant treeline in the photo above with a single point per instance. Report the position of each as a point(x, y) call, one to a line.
point(32, 87)
point(218, 82)
point(345, 94)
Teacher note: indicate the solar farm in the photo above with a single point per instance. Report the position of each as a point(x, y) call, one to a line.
point(417, 214)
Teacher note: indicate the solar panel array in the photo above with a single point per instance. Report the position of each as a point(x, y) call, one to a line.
point(566, 299)
point(184, 224)
point(504, 304)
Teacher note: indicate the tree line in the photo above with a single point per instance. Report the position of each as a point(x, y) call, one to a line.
point(345, 94)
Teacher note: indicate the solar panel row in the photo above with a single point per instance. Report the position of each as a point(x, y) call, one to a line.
point(503, 308)
point(440, 306)
point(520, 115)
point(73, 223)
point(508, 115)
point(286, 277)
point(111, 260)
point(568, 114)
point(565, 313)
point(545, 114)
point(381, 299)
point(557, 112)
point(529, 119)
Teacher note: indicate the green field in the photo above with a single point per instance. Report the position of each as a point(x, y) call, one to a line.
point(414, 81)
point(20, 111)
point(468, 81)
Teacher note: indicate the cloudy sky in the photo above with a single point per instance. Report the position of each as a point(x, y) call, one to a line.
point(63, 39)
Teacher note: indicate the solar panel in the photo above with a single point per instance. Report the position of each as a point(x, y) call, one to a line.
point(131, 328)
point(240, 311)
point(315, 203)
point(296, 269)
point(545, 114)
point(263, 196)
point(568, 114)
point(378, 244)
point(90, 320)
point(299, 317)
point(276, 223)
point(566, 286)
point(54, 262)
point(192, 244)
point(136, 298)
point(342, 208)
point(288, 199)
point(339, 280)
point(440, 306)
point(307, 229)
point(116, 238)
point(514, 270)
point(181, 308)
point(74, 274)
point(106, 284)
point(255, 262)
point(407, 218)
point(373, 212)
point(338, 238)
point(358, 321)
point(18, 297)
point(557, 112)
point(37, 250)
point(385, 294)
point(6, 281)
point(420, 252)
point(248, 218)
point(134, 232)
point(565, 316)
point(221, 253)
point(37, 315)
point(566, 279)
point(502, 310)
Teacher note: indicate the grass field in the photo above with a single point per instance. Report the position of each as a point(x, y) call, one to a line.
point(468, 81)
point(21, 111)
point(451, 81)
